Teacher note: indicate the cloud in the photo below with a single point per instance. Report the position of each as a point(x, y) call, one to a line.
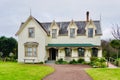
point(13, 12)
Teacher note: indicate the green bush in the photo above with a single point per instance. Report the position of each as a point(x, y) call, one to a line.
point(117, 62)
point(73, 62)
point(103, 65)
point(80, 60)
point(87, 63)
point(61, 61)
point(93, 59)
point(102, 60)
point(98, 63)
point(41, 62)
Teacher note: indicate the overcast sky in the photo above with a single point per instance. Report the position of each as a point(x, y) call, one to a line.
point(13, 12)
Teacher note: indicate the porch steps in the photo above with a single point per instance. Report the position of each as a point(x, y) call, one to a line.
point(50, 62)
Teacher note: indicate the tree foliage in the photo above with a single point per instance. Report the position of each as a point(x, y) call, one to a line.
point(108, 50)
point(7, 46)
point(115, 44)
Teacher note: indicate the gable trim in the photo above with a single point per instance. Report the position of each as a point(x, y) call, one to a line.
point(23, 25)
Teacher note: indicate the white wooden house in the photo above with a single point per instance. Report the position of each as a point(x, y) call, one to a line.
point(54, 40)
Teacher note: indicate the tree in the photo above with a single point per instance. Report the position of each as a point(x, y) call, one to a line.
point(108, 50)
point(116, 32)
point(115, 44)
point(8, 45)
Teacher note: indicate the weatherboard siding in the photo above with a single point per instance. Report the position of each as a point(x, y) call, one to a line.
point(40, 37)
point(78, 39)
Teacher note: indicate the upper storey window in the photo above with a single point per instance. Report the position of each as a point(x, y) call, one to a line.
point(31, 32)
point(72, 32)
point(54, 33)
point(90, 32)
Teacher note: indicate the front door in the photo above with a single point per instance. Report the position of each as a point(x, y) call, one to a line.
point(52, 54)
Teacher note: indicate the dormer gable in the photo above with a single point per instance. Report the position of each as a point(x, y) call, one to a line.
point(72, 29)
point(54, 25)
point(90, 29)
point(72, 25)
point(90, 24)
point(54, 29)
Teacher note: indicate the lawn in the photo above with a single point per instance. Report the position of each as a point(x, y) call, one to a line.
point(104, 73)
point(16, 71)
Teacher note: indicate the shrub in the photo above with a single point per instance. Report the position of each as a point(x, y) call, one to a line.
point(41, 62)
point(93, 59)
point(98, 63)
point(117, 62)
point(80, 60)
point(103, 65)
point(61, 61)
point(73, 62)
point(102, 60)
point(87, 63)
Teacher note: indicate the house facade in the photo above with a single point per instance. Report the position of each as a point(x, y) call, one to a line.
point(55, 40)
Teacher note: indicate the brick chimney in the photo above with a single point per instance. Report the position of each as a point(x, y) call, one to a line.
point(87, 16)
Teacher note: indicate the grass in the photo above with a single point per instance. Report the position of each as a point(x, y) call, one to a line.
point(16, 71)
point(104, 73)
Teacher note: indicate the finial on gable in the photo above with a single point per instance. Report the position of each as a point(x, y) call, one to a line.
point(53, 22)
point(91, 21)
point(72, 21)
point(30, 12)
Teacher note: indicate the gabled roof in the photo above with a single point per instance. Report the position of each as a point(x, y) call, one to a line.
point(42, 27)
point(23, 25)
point(64, 25)
point(80, 24)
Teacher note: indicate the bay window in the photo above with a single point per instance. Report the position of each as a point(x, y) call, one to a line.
point(31, 49)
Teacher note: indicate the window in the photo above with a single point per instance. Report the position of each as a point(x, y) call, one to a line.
point(54, 33)
point(72, 32)
point(90, 32)
point(94, 52)
point(68, 52)
point(81, 52)
point(31, 32)
point(31, 51)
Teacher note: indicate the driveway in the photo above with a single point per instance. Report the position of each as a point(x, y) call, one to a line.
point(69, 72)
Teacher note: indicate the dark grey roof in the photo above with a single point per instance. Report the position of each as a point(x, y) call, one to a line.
point(63, 27)
point(98, 26)
point(80, 24)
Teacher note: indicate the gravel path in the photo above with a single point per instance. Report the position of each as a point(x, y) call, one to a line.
point(111, 66)
point(69, 72)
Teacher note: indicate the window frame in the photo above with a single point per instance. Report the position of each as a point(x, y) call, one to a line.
point(54, 33)
point(72, 32)
point(31, 35)
point(94, 52)
point(81, 52)
point(32, 52)
point(68, 53)
point(90, 32)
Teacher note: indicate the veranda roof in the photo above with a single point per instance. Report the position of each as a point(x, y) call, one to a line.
point(71, 45)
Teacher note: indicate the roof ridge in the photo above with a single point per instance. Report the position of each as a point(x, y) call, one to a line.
point(68, 21)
